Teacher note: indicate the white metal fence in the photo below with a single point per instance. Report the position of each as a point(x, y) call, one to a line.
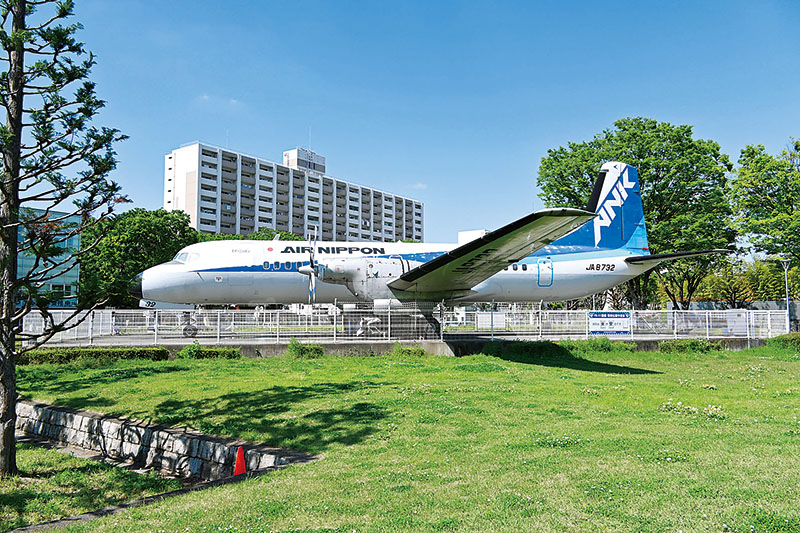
point(353, 323)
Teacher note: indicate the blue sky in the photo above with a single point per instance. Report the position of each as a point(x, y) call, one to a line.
point(452, 103)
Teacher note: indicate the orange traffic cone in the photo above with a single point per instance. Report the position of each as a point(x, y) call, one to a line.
point(239, 469)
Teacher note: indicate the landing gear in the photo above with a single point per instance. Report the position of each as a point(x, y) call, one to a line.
point(189, 325)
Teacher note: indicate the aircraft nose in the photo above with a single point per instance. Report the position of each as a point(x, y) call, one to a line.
point(136, 286)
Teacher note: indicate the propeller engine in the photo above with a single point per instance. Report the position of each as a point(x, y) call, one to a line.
point(310, 270)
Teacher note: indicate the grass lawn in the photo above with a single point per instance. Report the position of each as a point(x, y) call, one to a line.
point(522, 442)
point(54, 485)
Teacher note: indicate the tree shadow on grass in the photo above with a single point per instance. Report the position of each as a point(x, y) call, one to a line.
point(545, 353)
point(64, 487)
point(266, 415)
point(71, 378)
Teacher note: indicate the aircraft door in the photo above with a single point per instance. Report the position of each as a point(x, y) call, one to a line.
point(545, 275)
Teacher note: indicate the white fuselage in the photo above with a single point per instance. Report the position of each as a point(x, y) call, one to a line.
point(266, 272)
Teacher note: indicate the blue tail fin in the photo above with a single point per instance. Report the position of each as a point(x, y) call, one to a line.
point(617, 200)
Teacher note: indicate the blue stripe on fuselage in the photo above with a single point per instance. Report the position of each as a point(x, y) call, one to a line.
point(553, 252)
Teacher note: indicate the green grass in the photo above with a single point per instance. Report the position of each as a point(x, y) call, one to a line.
point(532, 438)
point(54, 485)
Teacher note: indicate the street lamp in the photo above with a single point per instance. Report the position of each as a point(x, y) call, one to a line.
point(785, 263)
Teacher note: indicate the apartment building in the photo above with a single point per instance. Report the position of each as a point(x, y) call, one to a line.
point(64, 286)
point(224, 191)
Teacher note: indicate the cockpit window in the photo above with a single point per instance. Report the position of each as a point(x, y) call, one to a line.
point(181, 257)
point(192, 258)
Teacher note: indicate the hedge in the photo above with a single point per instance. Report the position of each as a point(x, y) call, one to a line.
point(298, 350)
point(195, 351)
point(688, 346)
point(789, 341)
point(405, 350)
point(74, 353)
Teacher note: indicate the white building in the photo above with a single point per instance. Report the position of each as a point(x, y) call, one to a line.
point(229, 192)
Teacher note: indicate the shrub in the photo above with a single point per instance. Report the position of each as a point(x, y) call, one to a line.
point(195, 351)
point(529, 351)
point(298, 350)
point(522, 350)
point(688, 346)
point(400, 350)
point(789, 341)
point(75, 353)
point(597, 344)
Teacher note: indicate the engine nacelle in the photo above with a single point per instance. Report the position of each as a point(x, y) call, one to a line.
point(365, 277)
point(340, 271)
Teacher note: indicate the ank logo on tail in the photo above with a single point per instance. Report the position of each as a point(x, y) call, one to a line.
point(614, 194)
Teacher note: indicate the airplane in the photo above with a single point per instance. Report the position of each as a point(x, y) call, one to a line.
point(549, 255)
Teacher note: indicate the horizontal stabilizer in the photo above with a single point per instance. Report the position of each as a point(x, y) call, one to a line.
point(464, 267)
point(658, 258)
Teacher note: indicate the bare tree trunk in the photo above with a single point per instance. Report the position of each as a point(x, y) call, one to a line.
point(636, 291)
point(8, 416)
point(9, 216)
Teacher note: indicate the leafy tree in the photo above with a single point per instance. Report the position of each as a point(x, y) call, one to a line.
point(766, 194)
point(263, 234)
point(683, 182)
point(765, 279)
point(49, 104)
point(131, 242)
point(730, 284)
point(135, 241)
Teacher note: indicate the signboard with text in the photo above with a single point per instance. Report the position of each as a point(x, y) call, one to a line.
point(609, 322)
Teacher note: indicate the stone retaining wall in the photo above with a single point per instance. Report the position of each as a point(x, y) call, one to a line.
point(170, 450)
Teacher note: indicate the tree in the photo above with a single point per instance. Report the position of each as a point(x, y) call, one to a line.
point(683, 182)
point(50, 103)
point(765, 279)
point(766, 195)
point(730, 284)
point(130, 243)
point(263, 234)
point(135, 241)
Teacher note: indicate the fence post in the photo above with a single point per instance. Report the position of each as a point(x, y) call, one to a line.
point(335, 316)
point(91, 328)
point(748, 321)
point(278, 327)
point(769, 324)
point(155, 327)
point(219, 323)
point(491, 318)
point(630, 323)
point(586, 319)
point(389, 321)
point(540, 322)
point(708, 325)
point(675, 323)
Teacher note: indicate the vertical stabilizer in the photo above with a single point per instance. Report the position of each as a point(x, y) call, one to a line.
point(617, 200)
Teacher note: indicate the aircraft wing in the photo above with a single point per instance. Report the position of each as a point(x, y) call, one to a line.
point(461, 269)
point(655, 259)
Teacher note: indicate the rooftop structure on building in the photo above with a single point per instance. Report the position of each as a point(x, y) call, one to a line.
point(225, 191)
